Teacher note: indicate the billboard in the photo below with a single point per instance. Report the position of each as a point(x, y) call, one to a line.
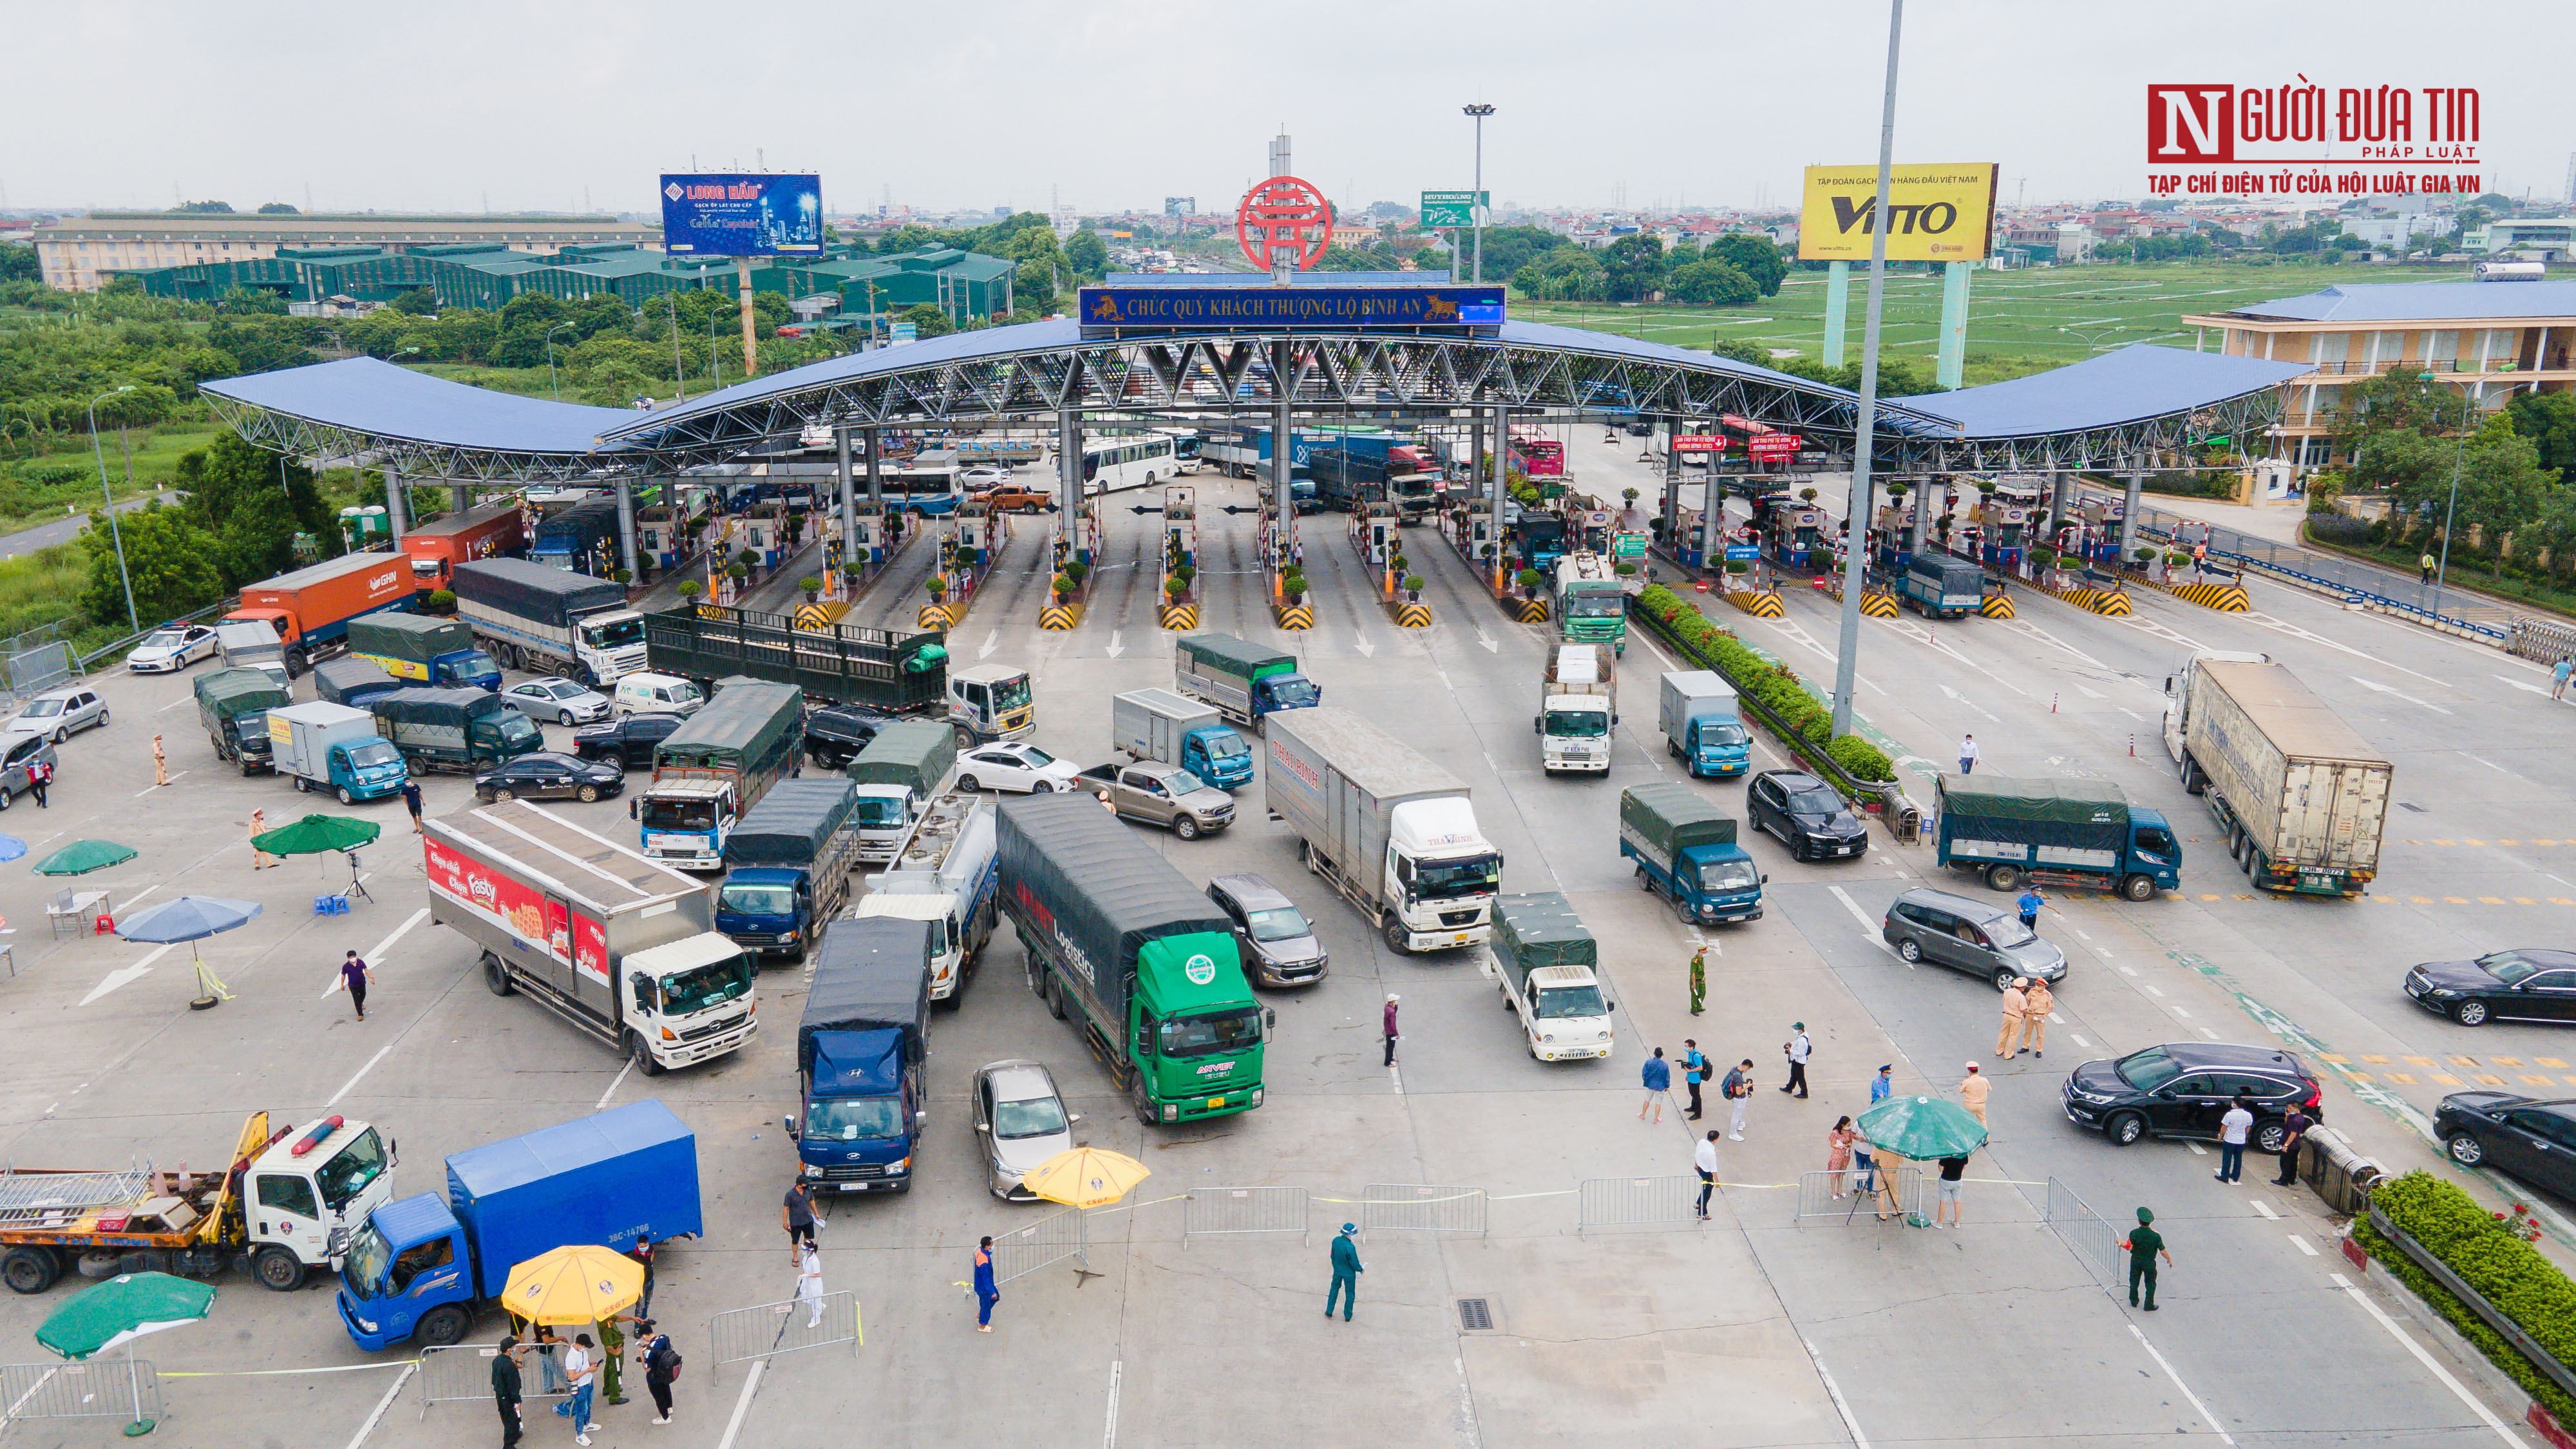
point(1357, 309)
point(1453, 208)
point(735, 214)
point(1937, 213)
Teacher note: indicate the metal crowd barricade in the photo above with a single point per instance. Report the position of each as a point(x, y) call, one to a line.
point(1860, 1201)
point(765, 1330)
point(1605, 1202)
point(2093, 1241)
point(113, 1388)
point(461, 1372)
point(1050, 1239)
point(1243, 1211)
point(1414, 1207)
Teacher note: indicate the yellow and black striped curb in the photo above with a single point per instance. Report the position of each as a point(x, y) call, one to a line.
point(1878, 606)
point(1413, 616)
point(937, 616)
point(2109, 603)
point(1296, 616)
point(821, 616)
point(1764, 605)
point(1060, 616)
point(1526, 611)
point(1997, 606)
point(2225, 598)
point(1178, 616)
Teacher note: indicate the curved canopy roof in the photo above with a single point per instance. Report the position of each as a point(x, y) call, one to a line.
point(361, 404)
point(2103, 411)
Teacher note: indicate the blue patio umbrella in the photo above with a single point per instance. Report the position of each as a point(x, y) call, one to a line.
point(11, 847)
point(190, 918)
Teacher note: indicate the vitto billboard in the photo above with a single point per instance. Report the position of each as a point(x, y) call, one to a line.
point(733, 214)
point(1936, 213)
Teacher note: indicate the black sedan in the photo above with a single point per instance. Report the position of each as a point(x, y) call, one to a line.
point(2534, 1140)
point(2183, 1088)
point(835, 736)
point(2524, 984)
point(1805, 813)
point(629, 741)
point(546, 774)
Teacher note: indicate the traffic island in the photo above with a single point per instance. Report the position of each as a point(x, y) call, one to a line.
point(1066, 597)
point(2109, 603)
point(1289, 608)
point(2225, 598)
point(1760, 603)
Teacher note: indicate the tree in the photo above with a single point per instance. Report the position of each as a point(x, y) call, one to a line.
point(2548, 419)
point(1635, 267)
point(253, 503)
point(169, 558)
point(1713, 284)
point(418, 302)
point(1087, 255)
point(1738, 350)
point(1756, 257)
point(2502, 485)
point(19, 263)
point(928, 320)
point(1507, 249)
point(253, 301)
point(1430, 259)
point(277, 208)
point(204, 208)
point(2400, 401)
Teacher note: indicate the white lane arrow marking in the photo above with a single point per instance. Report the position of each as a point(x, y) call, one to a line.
point(1115, 648)
point(2521, 685)
point(2384, 689)
point(1488, 641)
point(123, 975)
point(1970, 703)
point(992, 641)
point(1365, 647)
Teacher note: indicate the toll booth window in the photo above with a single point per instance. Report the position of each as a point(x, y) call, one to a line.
point(420, 1258)
point(288, 1195)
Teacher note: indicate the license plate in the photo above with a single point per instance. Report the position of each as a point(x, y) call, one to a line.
point(854, 1186)
point(1460, 940)
point(1215, 1102)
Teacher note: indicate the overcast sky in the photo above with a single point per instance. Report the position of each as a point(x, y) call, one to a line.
point(461, 105)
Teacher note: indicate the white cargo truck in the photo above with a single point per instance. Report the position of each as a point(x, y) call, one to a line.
point(1390, 830)
point(1578, 703)
point(2302, 796)
point(622, 948)
point(943, 872)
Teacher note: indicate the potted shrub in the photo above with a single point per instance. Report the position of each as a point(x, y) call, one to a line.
point(851, 573)
point(623, 576)
point(737, 571)
point(812, 586)
point(2042, 558)
point(1077, 571)
point(1175, 587)
point(1529, 580)
point(1413, 587)
point(937, 584)
point(442, 601)
point(691, 588)
point(1292, 584)
point(1738, 567)
point(1807, 496)
point(1063, 586)
point(967, 558)
point(1629, 496)
point(1187, 573)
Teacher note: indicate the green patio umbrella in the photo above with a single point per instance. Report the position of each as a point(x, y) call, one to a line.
point(318, 835)
point(119, 1311)
point(83, 856)
point(1925, 1129)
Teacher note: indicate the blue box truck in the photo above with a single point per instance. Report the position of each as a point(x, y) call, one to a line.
point(859, 1055)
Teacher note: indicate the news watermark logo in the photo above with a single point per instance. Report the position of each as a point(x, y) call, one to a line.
point(2304, 139)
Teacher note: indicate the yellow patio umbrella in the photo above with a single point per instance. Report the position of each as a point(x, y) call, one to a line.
point(1086, 1177)
point(576, 1284)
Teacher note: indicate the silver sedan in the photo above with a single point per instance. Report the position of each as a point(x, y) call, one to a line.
point(1022, 1122)
point(556, 700)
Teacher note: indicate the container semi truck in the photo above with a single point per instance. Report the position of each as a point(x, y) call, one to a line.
point(945, 873)
point(787, 867)
point(546, 621)
point(1391, 831)
point(2302, 796)
point(623, 949)
point(1544, 962)
point(493, 530)
point(1686, 851)
point(860, 1053)
point(424, 650)
point(720, 764)
point(309, 610)
point(1142, 960)
point(1246, 682)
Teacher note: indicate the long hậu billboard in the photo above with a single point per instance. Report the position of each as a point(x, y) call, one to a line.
point(733, 214)
point(1937, 213)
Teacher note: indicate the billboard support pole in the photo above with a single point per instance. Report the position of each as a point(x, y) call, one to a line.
point(1954, 324)
point(849, 499)
point(750, 346)
point(1283, 449)
point(394, 501)
point(1837, 310)
point(1501, 484)
point(1856, 509)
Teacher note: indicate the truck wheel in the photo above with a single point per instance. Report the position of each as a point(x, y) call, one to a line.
point(1908, 952)
point(1185, 827)
point(642, 1055)
point(1645, 882)
point(1055, 998)
point(2002, 877)
point(2193, 781)
point(2138, 888)
point(30, 1270)
point(497, 976)
point(345, 797)
point(300, 786)
point(1143, 1101)
point(1396, 937)
point(278, 1269)
point(444, 1325)
point(586, 794)
point(965, 737)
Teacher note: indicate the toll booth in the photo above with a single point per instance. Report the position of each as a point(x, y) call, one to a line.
point(1587, 523)
point(1086, 532)
point(2100, 517)
point(1684, 544)
point(1480, 534)
point(1892, 535)
point(2002, 533)
point(979, 528)
point(1180, 527)
point(1373, 533)
point(868, 544)
point(764, 532)
point(1794, 537)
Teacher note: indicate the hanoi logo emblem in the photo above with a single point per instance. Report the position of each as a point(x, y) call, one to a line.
point(1201, 969)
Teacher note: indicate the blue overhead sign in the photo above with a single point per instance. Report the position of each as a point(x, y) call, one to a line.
point(732, 214)
point(1227, 309)
point(1746, 551)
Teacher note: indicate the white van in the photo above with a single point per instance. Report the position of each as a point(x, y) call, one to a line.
point(650, 693)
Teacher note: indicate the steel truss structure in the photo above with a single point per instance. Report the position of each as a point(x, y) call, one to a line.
point(2119, 447)
point(419, 459)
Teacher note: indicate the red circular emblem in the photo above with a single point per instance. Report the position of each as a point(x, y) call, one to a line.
point(1287, 213)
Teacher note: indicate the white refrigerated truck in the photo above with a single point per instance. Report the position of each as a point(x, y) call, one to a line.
point(943, 872)
point(2302, 796)
point(1390, 830)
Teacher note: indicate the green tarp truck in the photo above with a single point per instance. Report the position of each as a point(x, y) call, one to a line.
point(233, 704)
point(2062, 831)
point(1543, 962)
point(906, 764)
point(1243, 680)
point(1685, 851)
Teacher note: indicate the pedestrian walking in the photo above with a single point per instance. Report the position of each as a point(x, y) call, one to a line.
point(809, 1285)
point(577, 1370)
point(2558, 676)
point(2426, 565)
point(1952, 1170)
point(2031, 901)
point(505, 1389)
point(1882, 1084)
point(661, 1361)
point(2015, 1007)
point(40, 773)
point(1838, 1152)
point(411, 802)
point(1704, 1160)
point(987, 1292)
point(1392, 1035)
point(258, 828)
point(1797, 1049)
point(2144, 1244)
point(1694, 1071)
point(160, 763)
point(1972, 1093)
point(796, 1215)
point(642, 1253)
point(1699, 979)
point(2199, 561)
point(2037, 1003)
point(1738, 1090)
point(2232, 1130)
point(2294, 1130)
point(1967, 754)
point(1347, 1269)
point(1658, 1077)
point(354, 976)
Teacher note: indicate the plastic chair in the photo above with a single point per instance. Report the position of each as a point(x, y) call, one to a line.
point(106, 925)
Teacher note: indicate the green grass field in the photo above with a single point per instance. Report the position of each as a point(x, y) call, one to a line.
point(2018, 322)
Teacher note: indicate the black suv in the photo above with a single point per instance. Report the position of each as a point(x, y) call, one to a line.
point(2534, 1140)
point(627, 741)
point(2182, 1088)
point(834, 737)
point(1805, 813)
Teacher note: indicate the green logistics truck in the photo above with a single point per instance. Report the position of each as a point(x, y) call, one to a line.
point(898, 772)
point(1591, 602)
point(233, 704)
point(1543, 960)
point(1118, 938)
point(1685, 850)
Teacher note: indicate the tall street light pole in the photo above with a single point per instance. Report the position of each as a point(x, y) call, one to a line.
point(1476, 202)
point(1855, 510)
point(113, 531)
point(2459, 447)
point(550, 359)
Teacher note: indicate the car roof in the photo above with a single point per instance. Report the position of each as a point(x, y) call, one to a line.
point(2229, 1054)
point(9, 738)
point(1961, 905)
point(2552, 956)
point(1252, 892)
point(66, 692)
point(1018, 1080)
point(1792, 779)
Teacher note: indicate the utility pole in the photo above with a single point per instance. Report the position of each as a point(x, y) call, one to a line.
point(1856, 507)
point(750, 346)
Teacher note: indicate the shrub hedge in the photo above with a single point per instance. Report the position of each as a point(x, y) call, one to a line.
point(2491, 1258)
point(1775, 685)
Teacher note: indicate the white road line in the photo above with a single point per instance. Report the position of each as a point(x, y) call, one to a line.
point(2265, 1209)
point(1841, 1406)
point(174, 704)
point(2205, 1031)
point(1109, 1433)
point(376, 957)
point(2206, 1417)
point(1395, 1074)
point(383, 1404)
point(2082, 936)
point(2128, 970)
point(2304, 1245)
point(2149, 988)
point(1854, 907)
point(346, 1086)
point(2080, 1041)
point(742, 1404)
point(2485, 1415)
point(2196, 1149)
point(123, 975)
point(613, 1084)
point(2176, 1010)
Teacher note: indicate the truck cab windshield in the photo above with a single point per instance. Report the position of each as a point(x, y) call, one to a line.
point(1445, 879)
point(683, 815)
point(1235, 1030)
point(880, 810)
point(509, 727)
point(1580, 724)
point(1595, 606)
point(714, 984)
point(859, 1119)
point(1011, 694)
point(369, 1256)
point(1727, 875)
point(1225, 747)
point(757, 900)
point(2155, 844)
point(1723, 732)
point(253, 729)
point(348, 1173)
point(474, 664)
point(1564, 1001)
point(1295, 693)
point(619, 635)
point(370, 755)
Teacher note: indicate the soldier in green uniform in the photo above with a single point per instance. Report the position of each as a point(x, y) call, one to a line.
point(1699, 979)
point(2144, 1243)
point(612, 1346)
point(1347, 1268)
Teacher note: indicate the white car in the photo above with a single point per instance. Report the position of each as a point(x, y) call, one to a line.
point(165, 650)
point(983, 476)
point(557, 700)
point(1009, 766)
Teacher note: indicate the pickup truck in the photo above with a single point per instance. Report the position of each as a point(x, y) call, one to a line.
point(1161, 794)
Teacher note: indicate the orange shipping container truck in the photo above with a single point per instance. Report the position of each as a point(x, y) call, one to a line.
point(311, 608)
point(492, 531)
